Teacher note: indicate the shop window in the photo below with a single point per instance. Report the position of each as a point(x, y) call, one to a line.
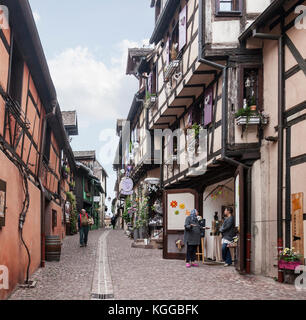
point(228, 7)
point(2, 203)
point(54, 219)
point(16, 77)
point(251, 88)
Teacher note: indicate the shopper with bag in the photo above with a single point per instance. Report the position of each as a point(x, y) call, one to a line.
point(84, 221)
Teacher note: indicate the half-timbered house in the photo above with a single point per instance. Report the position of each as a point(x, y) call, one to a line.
point(199, 64)
point(278, 178)
point(32, 138)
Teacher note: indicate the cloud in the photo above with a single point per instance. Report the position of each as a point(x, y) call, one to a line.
point(99, 92)
point(36, 16)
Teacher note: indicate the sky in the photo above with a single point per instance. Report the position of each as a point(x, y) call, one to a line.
point(86, 45)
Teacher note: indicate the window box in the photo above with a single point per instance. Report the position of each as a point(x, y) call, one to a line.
point(252, 120)
point(171, 69)
point(151, 101)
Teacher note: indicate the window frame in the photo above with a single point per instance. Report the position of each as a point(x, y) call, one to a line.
point(233, 13)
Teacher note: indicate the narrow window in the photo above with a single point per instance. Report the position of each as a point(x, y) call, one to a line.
point(54, 219)
point(15, 88)
point(47, 145)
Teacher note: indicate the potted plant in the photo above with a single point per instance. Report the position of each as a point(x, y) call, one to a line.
point(289, 260)
point(253, 105)
point(136, 231)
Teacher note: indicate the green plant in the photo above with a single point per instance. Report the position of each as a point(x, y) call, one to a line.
point(196, 127)
point(247, 112)
point(149, 95)
point(252, 101)
point(289, 255)
point(74, 214)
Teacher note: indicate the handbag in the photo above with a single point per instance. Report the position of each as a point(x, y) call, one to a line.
point(91, 221)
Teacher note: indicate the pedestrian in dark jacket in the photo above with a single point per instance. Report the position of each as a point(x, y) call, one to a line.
point(192, 238)
point(228, 233)
point(83, 224)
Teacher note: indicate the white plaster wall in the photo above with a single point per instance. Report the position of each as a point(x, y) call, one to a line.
point(257, 6)
point(210, 206)
point(225, 31)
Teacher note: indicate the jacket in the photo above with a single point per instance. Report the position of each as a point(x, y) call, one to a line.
point(228, 229)
point(192, 234)
point(79, 219)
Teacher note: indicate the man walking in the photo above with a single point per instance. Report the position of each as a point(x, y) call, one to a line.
point(83, 223)
point(228, 233)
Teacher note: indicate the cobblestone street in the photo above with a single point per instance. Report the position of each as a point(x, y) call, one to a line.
point(112, 266)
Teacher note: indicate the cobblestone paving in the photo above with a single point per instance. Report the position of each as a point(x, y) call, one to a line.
point(69, 279)
point(143, 274)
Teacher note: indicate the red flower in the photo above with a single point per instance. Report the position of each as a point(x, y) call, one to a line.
point(173, 204)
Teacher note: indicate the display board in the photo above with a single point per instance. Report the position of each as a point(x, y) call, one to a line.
point(179, 207)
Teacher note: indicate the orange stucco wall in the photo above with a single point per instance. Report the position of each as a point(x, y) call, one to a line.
point(12, 252)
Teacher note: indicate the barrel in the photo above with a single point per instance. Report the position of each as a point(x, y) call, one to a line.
point(53, 248)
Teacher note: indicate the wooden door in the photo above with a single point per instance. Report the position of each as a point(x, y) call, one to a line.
point(177, 205)
point(297, 223)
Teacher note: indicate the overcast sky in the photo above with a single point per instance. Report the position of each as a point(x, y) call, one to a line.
point(86, 46)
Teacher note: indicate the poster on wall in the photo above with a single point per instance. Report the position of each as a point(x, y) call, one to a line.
point(179, 207)
point(237, 200)
point(2, 202)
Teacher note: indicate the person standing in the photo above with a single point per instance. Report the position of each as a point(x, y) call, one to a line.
point(192, 238)
point(83, 223)
point(228, 233)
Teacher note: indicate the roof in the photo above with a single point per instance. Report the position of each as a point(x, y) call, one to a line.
point(134, 57)
point(85, 154)
point(163, 21)
point(262, 19)
point(98, 166)
point(70, 122)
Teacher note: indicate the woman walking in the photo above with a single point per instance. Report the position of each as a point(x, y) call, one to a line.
point(83, 224)
point(192, 238)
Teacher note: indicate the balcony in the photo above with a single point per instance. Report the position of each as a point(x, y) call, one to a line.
point(171, 69)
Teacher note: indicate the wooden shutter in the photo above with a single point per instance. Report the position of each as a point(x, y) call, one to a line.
point(150, 83)
point(208, 106)
point(183, 28)
point(167, 53)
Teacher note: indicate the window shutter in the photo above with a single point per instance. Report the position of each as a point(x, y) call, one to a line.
point(150, 83)
point(183, 28)
point(208, 106)
point(167, 52)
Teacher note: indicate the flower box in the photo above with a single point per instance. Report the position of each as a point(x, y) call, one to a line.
point(252, 120)
point(288, 265)
point(150, 102)
point(171, 68)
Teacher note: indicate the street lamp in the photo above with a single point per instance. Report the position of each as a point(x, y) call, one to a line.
point(109, 198)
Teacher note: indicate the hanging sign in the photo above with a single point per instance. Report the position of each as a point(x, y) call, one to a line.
point(126, 186)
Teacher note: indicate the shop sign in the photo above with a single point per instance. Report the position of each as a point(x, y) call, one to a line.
point(97, 199)
point(126, 186)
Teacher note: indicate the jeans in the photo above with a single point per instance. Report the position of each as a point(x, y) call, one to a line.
point(191, 253)
point(226, 254)
point(84, 235)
